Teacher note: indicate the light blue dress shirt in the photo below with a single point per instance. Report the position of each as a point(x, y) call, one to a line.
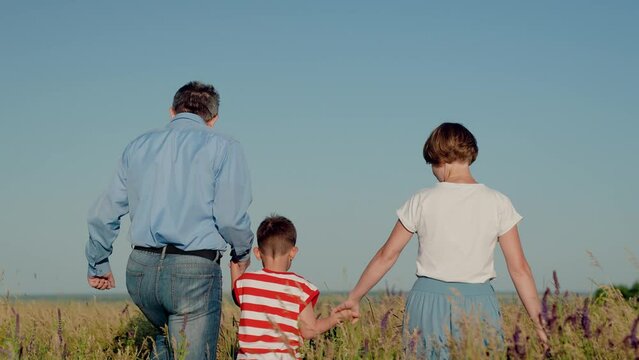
point(184, 185)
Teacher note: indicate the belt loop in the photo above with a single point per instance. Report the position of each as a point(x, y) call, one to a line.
point(163, 253)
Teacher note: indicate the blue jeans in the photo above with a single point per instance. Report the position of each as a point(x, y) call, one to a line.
point(182, 293)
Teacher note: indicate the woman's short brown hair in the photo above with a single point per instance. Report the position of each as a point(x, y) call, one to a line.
point(449, 143)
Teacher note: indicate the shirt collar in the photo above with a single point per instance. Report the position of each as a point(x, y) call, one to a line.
point(187, 117)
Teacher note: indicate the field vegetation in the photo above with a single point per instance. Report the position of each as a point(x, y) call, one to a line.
point(580, 327)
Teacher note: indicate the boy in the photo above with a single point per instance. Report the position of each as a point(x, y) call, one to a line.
point(276, 305)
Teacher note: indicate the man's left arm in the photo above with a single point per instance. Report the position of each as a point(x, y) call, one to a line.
point(104, 220)
point(231, 202)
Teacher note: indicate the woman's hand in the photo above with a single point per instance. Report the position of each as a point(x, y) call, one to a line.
point(349, 305)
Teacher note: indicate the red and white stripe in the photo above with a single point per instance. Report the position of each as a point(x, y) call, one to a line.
point(270, 304)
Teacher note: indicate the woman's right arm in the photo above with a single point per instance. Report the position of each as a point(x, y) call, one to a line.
point(522, 278)
point(379, 265)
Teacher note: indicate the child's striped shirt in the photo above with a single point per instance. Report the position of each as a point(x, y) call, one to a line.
point(270, 303)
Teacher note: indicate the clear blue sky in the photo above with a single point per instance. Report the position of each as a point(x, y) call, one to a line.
point(332, 101)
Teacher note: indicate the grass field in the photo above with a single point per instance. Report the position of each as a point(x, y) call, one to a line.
point(579, 328)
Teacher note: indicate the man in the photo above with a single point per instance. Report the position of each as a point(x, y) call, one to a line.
point(187, 190)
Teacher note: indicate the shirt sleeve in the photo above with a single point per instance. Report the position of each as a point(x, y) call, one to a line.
point(231, 201)
point(312, 298)
point(104, 220)
point(508, 216)
point(408, 214)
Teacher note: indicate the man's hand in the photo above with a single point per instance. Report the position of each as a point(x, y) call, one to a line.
point(238, 268)
point(105, 282)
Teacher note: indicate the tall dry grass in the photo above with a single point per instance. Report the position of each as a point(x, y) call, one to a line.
point(579, 328)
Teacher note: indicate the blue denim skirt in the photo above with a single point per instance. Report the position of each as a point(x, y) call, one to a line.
point(435, 310)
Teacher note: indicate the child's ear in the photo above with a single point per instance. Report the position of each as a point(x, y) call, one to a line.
point(293, 252)
point(258, 254)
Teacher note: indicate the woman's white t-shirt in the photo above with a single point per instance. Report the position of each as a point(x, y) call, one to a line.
point(458, 226)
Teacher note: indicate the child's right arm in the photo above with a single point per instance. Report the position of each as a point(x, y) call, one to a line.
point(522, 278)
point(310, 326)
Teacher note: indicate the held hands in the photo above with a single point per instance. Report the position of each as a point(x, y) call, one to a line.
point(238, 268)
point(340, 316)
point(349, 310)
point(104, 282)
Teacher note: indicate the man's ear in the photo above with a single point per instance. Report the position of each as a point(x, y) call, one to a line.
point(172, 112)
point(212, 122)
point(257, 252)
point(293, 252)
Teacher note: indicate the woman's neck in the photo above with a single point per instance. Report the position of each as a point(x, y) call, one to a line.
point(458, 173)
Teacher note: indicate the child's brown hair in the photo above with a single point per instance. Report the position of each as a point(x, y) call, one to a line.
point(449, 143)
point(276, 235)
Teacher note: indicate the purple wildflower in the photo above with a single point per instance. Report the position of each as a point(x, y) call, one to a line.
point(412, 344)
point(384, 323)
point(544, 307)
point(366, 346)
point(555, 281)
point(631, 340)
point(553, 317)
point(519, 348)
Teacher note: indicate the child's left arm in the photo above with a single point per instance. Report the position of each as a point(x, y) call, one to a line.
point(310, 326)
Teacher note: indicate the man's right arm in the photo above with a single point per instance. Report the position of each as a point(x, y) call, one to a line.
point(231, 202)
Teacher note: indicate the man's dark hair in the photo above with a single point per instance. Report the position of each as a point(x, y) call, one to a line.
point(276, 235)
point(197, 98)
